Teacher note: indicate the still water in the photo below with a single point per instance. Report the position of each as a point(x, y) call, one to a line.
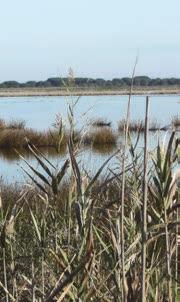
point(40, 113)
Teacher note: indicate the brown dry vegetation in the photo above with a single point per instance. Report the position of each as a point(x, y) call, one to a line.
point(103, 136)
point(100, 122)
point(60, 238)
point(176, 121)
point(54, 91)
point(15, 135)
point(138, 126)
point(17, 138)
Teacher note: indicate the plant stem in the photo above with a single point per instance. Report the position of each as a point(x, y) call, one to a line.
point(5, 274)
point(144, 207)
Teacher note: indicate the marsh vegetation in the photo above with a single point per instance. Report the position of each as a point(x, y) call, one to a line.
point(60, 233)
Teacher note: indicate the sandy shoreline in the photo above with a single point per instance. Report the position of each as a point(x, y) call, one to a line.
point(25, 92)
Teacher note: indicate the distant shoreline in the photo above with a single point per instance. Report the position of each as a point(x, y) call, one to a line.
point(30, 92)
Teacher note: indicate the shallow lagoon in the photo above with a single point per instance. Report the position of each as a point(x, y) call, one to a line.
point(40, 112)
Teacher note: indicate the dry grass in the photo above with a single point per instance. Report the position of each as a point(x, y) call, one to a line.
point(176, 121)
point(16, 124)
point(14, 134)
point(138, 126)
point(101, 123)
point(12, 124)
point(53, 91)
point(103, 136)
point(67, 227)
point(17, 138)
point(59, 237)
point(2, 124)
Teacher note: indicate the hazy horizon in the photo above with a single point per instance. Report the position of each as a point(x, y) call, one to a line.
point(97, 39)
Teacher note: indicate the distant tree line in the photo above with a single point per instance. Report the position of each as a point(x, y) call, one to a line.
point(92, 83)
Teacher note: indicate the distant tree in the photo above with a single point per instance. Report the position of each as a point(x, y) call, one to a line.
point(108, 84)
point(10, 84)
point(156, 82)
point(100, 82)
point(92, 83)
point(40, 84)
point(30, 84)
point(81, 81)
point(173, 81)
point(118, 82)
point(127, 81)
point(141, 81)
point(54, 82)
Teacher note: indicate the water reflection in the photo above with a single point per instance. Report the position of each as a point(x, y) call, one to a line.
point(106, 149)
point(12, 155)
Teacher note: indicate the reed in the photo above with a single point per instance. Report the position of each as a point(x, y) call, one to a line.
point(17, 138)
point(138, 126)
point(12, 124)
point(64, 225)
point(101, 123)
point(176, 121)
point(15, 124)
point(103, 136)
point(14, 134)
point(61, 232)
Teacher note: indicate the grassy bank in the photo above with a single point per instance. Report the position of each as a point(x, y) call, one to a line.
point(54, 91)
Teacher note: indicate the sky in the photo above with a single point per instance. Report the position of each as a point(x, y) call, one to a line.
point(96, 38)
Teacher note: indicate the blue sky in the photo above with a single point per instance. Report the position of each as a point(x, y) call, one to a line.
point(96, 38)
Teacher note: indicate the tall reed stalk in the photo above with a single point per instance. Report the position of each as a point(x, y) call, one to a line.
point(144, 207)
point(122, 205)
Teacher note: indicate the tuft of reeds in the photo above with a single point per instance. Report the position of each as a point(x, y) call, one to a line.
point(2, 124)
point(101, 123)
point(138, 126)
point(17, 138)
point(176, 121)
point(12, 124)
point(15, 124)
point(103, 136)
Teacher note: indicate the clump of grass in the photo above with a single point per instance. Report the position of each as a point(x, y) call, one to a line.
point(133, 125)
point(101, 123)
point(104, 136)
point(17, 138)
point(12, 124)
point(176, 121)
point(16, 124)
point(138, 126)
point(154, 125)
point(2, 124)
